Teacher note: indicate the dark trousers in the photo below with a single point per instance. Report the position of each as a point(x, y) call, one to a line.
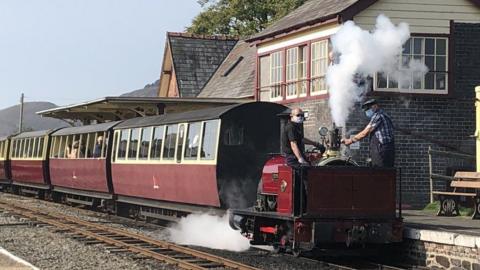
point(382, 155)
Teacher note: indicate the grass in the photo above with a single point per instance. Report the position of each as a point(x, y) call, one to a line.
point(433, 207)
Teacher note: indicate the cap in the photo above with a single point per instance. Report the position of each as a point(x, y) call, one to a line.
point(366, 105)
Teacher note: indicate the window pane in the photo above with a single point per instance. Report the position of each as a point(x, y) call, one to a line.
point(407, 47)
point(40, 147)
point(30, 147)
point(381, 80)
point(170, 141)
point(35, 147)
point(417, 82)
point(157, 143)
point(181, 136)
point(392, 84)
point(133, 146)
point(417, 45)
point(145, 144)
point(122, 146)
point(209, 140)
point(441, 46)
point(193, 141)
point(429, 62)
point(440, 64)
point(429, 46)
point(440, 81)
point(429, 80)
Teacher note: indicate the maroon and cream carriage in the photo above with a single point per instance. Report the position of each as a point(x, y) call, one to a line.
point(80, 164)
point(29, 162)
point(5, 178)
point(173, 164)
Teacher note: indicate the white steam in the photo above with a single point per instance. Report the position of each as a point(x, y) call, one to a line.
point(208, 231)
point(362, 54)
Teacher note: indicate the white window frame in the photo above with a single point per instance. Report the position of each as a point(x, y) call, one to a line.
point(422, 90)
point(319, 58)
point(276, 70)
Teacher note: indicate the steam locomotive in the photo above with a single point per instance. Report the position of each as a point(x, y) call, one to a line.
point(168, 166)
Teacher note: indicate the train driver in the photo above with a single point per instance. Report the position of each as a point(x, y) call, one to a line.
point(294, 141)
point(380, 132)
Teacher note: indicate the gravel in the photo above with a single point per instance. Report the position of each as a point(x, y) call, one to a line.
point(48, 250)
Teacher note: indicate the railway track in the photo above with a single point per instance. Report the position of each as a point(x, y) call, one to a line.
point(118, 240)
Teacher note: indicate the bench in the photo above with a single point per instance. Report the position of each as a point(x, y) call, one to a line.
point(449, 200)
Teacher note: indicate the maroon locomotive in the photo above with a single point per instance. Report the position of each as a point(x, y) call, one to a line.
point(333, 203)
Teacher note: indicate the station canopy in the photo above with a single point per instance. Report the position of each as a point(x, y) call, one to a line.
point(120, 108)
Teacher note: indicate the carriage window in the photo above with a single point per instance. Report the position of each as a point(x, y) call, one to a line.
point(62, 145)
point(181, 135)
point(133, 146)
point(20, 148)
point(170, 140)
point(16, 148)
point(30, 148)
point(40, 146)
point(97, 143)
point(106, 136)
point(1, 149)
point(35, 147)
point(122, 147)
point(24, 148)
point(193, 141)
point(114, 147)
point(156, 145)
point(145, 143)
point(209, 140)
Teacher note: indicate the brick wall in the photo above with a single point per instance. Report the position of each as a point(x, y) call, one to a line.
point(440, 256)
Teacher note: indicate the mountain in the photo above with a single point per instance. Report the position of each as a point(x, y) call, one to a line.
point(9, 118)
point(150, 90)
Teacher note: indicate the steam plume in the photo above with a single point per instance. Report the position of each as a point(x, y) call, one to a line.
point(362, 53)
point(207, 231)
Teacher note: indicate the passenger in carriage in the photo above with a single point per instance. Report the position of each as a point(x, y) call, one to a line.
point(97, 151)
point(74, 152)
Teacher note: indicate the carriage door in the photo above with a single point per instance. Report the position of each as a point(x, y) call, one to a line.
point(180, 139)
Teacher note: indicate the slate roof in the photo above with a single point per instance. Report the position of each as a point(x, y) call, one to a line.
point(235, 78)
point(195, 59)
point(311, 12)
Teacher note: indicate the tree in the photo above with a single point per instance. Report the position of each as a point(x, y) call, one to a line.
point(239, 17)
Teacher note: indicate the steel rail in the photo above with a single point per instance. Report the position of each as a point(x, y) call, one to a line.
point(120, 238)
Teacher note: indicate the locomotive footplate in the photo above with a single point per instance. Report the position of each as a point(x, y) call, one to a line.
point(253, 213)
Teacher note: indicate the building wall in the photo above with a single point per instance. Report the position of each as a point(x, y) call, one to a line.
point(449, 120)
point(426, 16)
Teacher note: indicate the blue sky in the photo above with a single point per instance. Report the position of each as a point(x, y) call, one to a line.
point(67, 51)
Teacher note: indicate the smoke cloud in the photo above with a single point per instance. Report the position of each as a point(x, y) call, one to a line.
point(209, 231)
point(362, 54)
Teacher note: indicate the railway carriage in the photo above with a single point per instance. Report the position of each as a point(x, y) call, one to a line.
point(174, 164)
point(80, 164)
point(5, 178)
point(29, 162)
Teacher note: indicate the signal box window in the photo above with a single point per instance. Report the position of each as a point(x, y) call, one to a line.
point(209, 140)
point(170, 141)
point(156, 146)
point(193, 141)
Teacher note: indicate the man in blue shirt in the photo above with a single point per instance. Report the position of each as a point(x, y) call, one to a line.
point(380, 132)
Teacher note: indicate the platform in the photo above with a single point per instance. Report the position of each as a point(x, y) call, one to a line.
point(9, 261)
point(441, 242)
